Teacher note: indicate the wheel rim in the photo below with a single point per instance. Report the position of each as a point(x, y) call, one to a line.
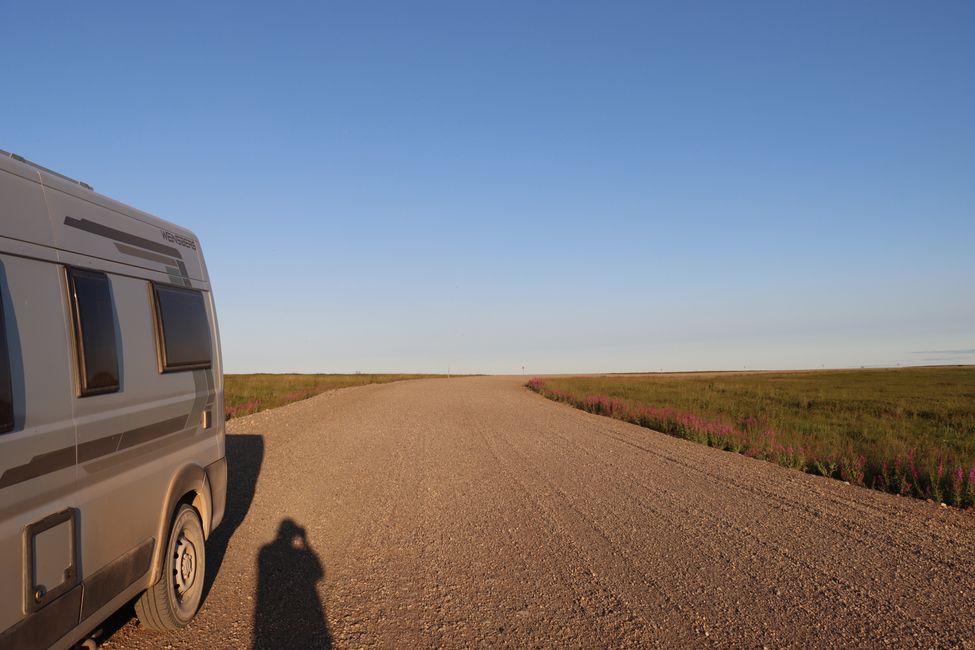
point(184, 566)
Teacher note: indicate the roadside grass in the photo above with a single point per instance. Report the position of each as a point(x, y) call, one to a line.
point(909, 431)
point(246, 394)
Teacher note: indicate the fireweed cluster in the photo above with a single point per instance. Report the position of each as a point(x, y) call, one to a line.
point(934, 476)
point(254, 405)
point(244, 408)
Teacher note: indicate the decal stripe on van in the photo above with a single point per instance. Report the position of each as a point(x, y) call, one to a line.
point(124, 237)
point(62, 458)
point(146, 249)
point(52, 461)
point(146, 255)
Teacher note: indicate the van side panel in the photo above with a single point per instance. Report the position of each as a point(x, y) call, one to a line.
point(82, 224)
point(37, 458)
point(131, 443)
point(23, 214)
point(219, 415)
point(90, 482)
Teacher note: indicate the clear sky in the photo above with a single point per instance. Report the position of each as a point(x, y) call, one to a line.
point(566, 186)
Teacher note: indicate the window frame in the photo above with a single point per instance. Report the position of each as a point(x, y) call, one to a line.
point(162, 362)
point(79, 338)
point(6, 426)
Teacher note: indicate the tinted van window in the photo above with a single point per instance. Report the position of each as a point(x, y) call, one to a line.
point(94, 328)
point(6, 387)
point(184, 331)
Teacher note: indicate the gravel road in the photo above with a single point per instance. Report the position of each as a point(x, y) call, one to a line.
point(470, 512)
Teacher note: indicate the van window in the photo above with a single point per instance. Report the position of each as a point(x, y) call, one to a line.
point(183, 328)
point(94, 328)
point(6, 387)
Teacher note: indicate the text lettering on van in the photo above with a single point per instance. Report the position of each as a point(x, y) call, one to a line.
point(173, 238)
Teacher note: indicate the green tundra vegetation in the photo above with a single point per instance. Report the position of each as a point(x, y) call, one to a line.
point(246, 394)
point(910, 431)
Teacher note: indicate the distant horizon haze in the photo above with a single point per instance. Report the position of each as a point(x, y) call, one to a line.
point(608, 372)
point(565, 186)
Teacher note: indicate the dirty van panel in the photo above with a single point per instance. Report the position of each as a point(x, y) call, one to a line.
point(22, 202)
point(83, 225)
point(130, 441)
point(216, 376)
point(50, 559)
point(97, 443)
point(37, 457)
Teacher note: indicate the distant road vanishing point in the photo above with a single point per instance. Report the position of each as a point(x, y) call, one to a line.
point(470, 512)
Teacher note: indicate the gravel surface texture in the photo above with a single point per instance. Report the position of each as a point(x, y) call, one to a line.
point(470, 512)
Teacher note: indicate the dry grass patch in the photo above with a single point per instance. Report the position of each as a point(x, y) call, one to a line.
point(246, 394)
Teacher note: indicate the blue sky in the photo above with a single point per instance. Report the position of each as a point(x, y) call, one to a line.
point(563, 186)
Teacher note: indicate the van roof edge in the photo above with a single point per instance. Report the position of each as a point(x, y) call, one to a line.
point(20, 158)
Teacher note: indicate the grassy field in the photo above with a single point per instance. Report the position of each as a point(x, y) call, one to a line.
point(245, 394)
point(909, 431)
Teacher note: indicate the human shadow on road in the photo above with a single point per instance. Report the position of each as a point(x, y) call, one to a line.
point(288, 612)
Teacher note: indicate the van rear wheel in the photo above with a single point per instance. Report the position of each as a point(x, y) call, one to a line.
point(172, 602)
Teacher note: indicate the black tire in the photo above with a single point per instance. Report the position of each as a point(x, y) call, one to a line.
point(172, 602)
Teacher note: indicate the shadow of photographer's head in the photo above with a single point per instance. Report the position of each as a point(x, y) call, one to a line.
point(290, 532)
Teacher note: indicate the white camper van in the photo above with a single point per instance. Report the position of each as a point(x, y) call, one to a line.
point(112, 466)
